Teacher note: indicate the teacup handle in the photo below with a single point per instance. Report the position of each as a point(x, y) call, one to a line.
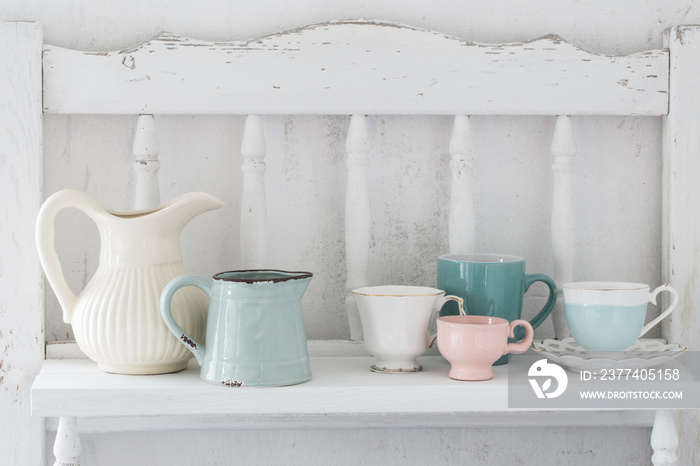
point(439, 303)
point(524, 344)
point(166, 298)
point(551, 299)
point(652, 299)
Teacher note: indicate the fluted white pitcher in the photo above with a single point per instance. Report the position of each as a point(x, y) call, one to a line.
point(116, 318)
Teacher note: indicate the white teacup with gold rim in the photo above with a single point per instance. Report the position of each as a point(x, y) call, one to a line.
point(397, 323)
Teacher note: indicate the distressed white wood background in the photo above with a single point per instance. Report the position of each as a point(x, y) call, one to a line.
point(351, 67)
point(509, 150)
point(387, 69)
point(21, 173)
point(512, 186)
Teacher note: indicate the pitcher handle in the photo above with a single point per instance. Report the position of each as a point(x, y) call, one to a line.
point(45, 242)
point(441, 301)
point(166, 298)
point(671, 307)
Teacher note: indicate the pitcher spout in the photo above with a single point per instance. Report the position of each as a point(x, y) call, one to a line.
point(302, 284)
point(151, 236)
point(185, 207)
point(172, 216)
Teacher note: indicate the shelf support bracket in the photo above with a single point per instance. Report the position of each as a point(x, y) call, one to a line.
point(664, 439)
point(67, 447)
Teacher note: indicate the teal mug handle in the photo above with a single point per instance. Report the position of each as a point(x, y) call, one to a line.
point(549, 305)
point(165, 300)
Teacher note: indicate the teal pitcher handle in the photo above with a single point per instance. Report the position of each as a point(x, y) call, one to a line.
point(166, 298)
point(549, 305)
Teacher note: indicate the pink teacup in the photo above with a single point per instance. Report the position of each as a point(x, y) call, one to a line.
point(472, 344)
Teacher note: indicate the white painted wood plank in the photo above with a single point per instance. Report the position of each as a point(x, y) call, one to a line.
point(355, 67)
point(22, 437)
point(357, 218)
point(64, 350)
point(462, 219)
point(563, 218)
point(681, 232)
point(365, 421)
point(146, 151)
point(681, 200)
point(317, 348)
point(339, 386)
point(253, 195)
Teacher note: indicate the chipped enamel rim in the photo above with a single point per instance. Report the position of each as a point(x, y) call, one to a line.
point(260, 276)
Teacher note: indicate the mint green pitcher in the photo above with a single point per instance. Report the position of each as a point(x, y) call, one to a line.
point(255, 333)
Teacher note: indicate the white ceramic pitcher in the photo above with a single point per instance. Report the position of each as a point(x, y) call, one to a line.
point(116, 318)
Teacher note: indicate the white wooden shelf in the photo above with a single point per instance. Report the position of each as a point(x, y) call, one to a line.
point(78, 397)
point(343, 393)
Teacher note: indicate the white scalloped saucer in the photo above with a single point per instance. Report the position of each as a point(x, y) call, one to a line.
point(644, 353)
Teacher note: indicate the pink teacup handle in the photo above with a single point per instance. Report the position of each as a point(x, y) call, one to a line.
point(436, 310)
point(524, 344)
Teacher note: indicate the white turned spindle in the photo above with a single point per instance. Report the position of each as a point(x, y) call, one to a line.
point(461, 223)
point(563, 220)
point(357, 218)
point(664, 439)
point(146, 151)
point(253, 199)
point(67, 447)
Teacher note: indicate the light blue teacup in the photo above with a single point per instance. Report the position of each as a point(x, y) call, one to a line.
point(609, 316)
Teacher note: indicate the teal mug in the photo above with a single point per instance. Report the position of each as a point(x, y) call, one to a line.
point(492, 285)
point(255, 334)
